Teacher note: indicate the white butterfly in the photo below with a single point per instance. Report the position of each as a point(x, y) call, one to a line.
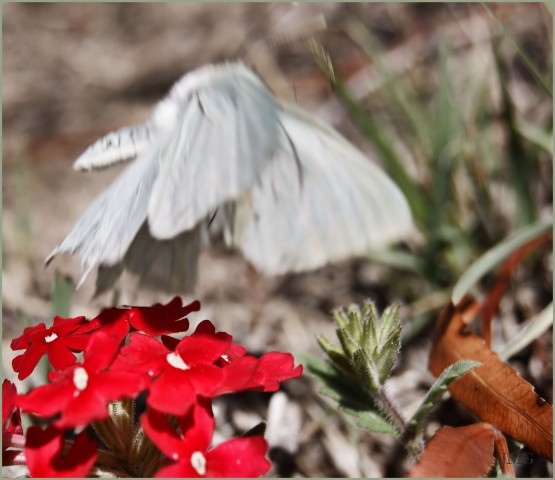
point(221, 155)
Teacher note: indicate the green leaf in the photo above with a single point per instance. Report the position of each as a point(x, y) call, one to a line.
point(390, 325)
point(347, 342)
point(371, 420)
point(371, 323)
point(335, 353)
point(448, 376)
point(351, 398)
point(531, 330)
point(366, 371)
point(493, 257)
point(336, 384)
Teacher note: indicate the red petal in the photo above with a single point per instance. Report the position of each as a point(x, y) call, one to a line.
point(11, 417)
point(159, 429)
point(88, 406)
point(24, 340)
point(25, 363)
point(197, 426)
point(177, 470)
point(171, 393)
point(100, 351)
point(77, 343)
point(41, 448)
point(144, 354)
point(113, 321)
point(206, 326)
point(237, 375)
point(115, 385)
point(43, 453)
point(81, 457)
point(64, 326)
point(205, 379)
point(9, 393)
point(203, 348)
point(161, 319)
point(240, 457)
point(273, 368)
point(59, 355)
point(46, 400)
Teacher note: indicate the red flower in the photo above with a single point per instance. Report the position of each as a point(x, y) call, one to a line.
point(45, 459)
point(81, 392)
point(11, 418)
point(271, 369)
point(240, 457)
point(155, 320)
point(180, 373)
point(274, 368)
point(163, 319)
point(57, 341)
point(12, 431)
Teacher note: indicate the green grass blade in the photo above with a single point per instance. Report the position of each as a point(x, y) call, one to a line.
point(518, 160)
point(531, 330)
point(525, 59)
point(442, 165)
point(493, 257)
point(397, 259)
point(535, 135)
point(413, 109)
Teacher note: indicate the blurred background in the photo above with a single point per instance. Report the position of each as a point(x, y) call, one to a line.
point(453, 100)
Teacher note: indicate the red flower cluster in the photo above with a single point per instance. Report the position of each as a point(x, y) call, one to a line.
point(180, 377)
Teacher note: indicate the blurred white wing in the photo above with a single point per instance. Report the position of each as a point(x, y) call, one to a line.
point(225, 134)
point(169, 265)
point(104, 232)
point(320, 200)
point(115, 147)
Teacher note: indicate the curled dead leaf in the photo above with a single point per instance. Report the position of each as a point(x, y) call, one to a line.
point(494, 391)
point(463, 452)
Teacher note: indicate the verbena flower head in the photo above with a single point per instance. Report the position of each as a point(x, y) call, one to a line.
point(122, 358)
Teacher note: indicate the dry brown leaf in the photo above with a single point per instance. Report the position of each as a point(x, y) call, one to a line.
point(465, 452)
point(502, 451)
point(491, 304)
point(494, 391)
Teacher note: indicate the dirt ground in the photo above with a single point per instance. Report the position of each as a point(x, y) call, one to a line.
point(73, 72)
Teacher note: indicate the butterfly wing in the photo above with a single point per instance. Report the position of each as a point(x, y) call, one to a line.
point(115, 147)
point(168, 265)
point(225, 134)
point(320, 200)
point(104, 232)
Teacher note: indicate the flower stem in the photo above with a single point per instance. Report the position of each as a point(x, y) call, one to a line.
point(391, 410)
